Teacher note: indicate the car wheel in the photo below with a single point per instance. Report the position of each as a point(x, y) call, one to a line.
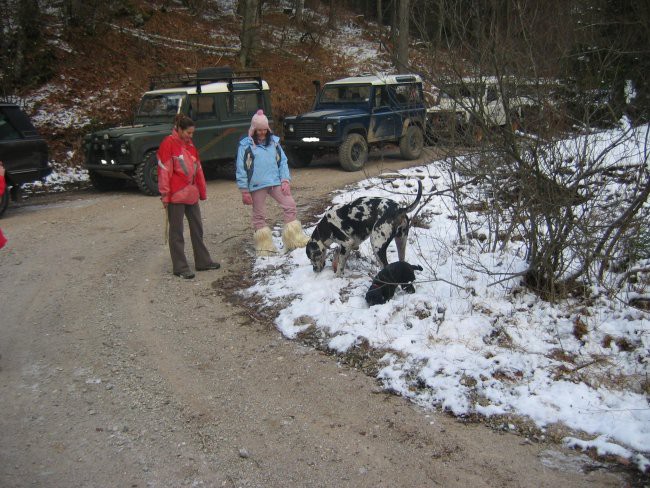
point(411, 144)
point(4, 201)
point(146, 174)
point(226, 170)
point(298, 158)
point(105, 183)
point(353, 153)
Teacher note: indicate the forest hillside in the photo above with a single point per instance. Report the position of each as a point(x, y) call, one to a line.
point(80, 79)
point(83, 65)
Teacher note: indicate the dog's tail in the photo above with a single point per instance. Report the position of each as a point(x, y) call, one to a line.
point(416, 201)
point(416, 267)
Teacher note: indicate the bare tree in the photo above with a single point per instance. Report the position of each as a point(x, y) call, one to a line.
point(25, 56)
point(299, 6)
point(393, 29)
point(85, 14)
point(248, 35)
point(380, 13)
point(331, 18)
point(404, 16)
point(576, 202)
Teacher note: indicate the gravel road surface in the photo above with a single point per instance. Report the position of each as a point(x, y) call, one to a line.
point(115, 373)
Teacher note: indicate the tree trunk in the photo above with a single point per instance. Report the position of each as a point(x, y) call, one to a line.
point(402, 63)
point(300, 7)
point(393, 31)
point(248, 34)
point(331, 21)
point(380, 14)
point(28, 36)
point(441, 24)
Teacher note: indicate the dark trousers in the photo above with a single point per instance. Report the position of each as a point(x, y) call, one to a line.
point(175, 212)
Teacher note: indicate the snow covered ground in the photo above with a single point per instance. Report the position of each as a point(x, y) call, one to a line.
point(469, 343)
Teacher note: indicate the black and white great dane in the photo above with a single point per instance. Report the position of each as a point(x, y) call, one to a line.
point(381, 219)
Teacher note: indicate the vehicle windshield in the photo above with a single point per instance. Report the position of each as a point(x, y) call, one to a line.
point(159, 107)
point(344, 95)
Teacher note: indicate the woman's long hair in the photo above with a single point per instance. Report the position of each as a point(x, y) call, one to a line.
point(182, 122)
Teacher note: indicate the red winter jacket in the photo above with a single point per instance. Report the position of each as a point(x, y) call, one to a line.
point(180, 175)
point(3, 239)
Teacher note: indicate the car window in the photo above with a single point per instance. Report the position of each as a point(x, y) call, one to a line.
point(7, 131)
point(381, 97)
point(408, 94)
point(203, 107)
point(492, 94)
point(159, 105)
point(345, 94)
point(244, 104)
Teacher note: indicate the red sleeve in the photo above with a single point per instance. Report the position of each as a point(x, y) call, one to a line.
point(200, 178)
point(165, 169)
point(3, 185)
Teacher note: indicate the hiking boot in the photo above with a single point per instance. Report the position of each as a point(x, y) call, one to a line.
point(209, 267)
point(187, 275)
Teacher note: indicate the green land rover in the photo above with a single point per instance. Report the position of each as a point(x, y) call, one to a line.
point(221, 103)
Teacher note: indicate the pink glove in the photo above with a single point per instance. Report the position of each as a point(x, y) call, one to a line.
point(246, 198)
point(285, 188)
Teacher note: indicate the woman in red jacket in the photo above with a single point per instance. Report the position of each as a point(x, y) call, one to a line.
point(181, 184)
point(3, 239)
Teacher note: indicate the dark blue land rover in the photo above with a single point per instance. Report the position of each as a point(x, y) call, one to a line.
point(351, 114)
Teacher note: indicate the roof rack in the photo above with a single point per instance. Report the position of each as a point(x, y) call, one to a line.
point(205, 76)
point(14, 100)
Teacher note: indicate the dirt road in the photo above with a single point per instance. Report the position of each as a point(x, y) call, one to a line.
point(115, 373)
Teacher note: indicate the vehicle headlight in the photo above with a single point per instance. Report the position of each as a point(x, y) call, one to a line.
point(124, 148)
point(330, 128)
point(290, 128)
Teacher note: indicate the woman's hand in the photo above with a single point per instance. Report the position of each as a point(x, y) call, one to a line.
point(246, 198)
point(285, 188)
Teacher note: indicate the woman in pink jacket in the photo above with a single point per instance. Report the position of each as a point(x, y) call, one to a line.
point(181, 184)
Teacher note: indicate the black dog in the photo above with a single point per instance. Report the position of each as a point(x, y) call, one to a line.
point(381, 219)
point(388, 279)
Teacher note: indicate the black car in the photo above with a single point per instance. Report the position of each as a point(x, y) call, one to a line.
point(22, 150)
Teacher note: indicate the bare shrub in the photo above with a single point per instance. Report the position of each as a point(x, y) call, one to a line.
point(530, 125)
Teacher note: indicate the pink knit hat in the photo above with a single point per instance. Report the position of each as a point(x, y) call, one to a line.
point(259, 121)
